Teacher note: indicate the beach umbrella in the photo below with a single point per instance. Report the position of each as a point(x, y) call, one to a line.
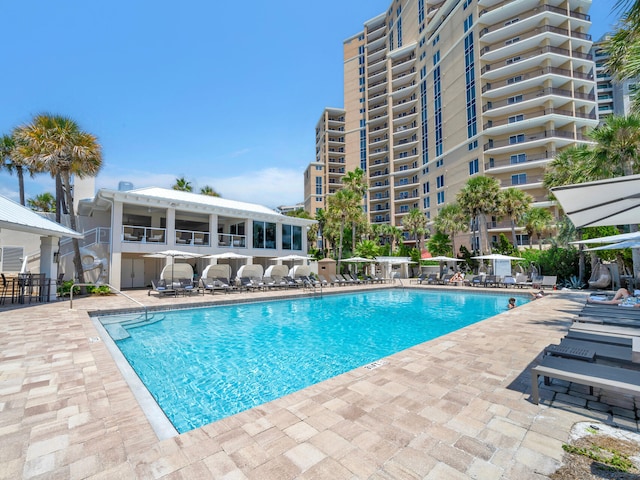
point(228, 256)
point(173, 254)
point(357, 260)
point(442, 260)
point(292, 258)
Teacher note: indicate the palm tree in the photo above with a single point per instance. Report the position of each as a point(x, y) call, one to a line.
point(206, 190)
point(44, 202)
point(182, 185)
point(12, 161)
point(451, 220)
point(478, 198)
point(321, 218)
point(342, 208)
point(623, 46)
point(536, 221)
point(515, 203)
point(617, 151)
point(354, 181)
point(56, 144)
point(416, 223)
point(394, 234)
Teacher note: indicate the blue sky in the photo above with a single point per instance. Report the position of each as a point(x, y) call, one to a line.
point(224, 96)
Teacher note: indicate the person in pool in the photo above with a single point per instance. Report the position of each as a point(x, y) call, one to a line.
point(512, 303)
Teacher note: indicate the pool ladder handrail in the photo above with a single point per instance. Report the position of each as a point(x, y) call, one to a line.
point(312, 286)
point(111, 287)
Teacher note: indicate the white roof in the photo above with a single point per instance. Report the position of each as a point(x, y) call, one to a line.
point(166, 196)
point(14, 216)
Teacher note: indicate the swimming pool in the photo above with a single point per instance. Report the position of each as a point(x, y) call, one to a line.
point(205, 364)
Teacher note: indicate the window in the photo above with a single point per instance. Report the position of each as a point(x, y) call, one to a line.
point(426, 202)
point(519, 179)
point(516, 118)
point(516, 138)
point(440, 198)
point(473, 145)
point(291, 237)
point(425, 187)
point(439, 162)
point(516, 79)
point(522, 239)
point(435, 40)
point(468, 23)
point(473, 167)
point(264, 234)
point(518, 158)
point(436, 57)
point(512, 40)
point(440, 181)
point(512, 60)
point(318, 185)
point(514, 99)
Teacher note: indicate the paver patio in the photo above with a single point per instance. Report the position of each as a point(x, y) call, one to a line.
point(455, 407)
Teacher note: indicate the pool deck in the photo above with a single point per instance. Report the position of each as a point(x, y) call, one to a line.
point(456, 407)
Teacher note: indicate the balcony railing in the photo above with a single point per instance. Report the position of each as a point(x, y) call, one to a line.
point(189, 237)
point(536, 74)
point(230, 240)
point(536, 53)
point(531, 138)
point(140, 234)
point(537, 114)
point(537, 94)
point(509, 163)
point(534, 11)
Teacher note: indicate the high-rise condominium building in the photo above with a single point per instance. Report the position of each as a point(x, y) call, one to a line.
point(614, 97)
point(438, 91)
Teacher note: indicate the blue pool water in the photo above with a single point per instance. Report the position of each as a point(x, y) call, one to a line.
point(205, 364)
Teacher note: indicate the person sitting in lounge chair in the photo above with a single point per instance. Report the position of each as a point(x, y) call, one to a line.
point(457, 277)
point(621, 297)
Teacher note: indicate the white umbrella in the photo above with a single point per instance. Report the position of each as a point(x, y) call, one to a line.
point(173, 254)
point(496, 256)
point(615, 246)
point(292, 258)
point(228, 255)
point(442, 259)
point(359, 260)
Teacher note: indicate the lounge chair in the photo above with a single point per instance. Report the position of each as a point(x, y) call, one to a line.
point(325, 282)
point(491, 281)
point(522, 281)
point(549, 281)
point(161, 288)
point(185, 286)
point(336, 280)
point(291, 282)
point(508, 281)
point(477, 281)
point(419, 279)
point(617, 379)
point(445, 280)
point(601, 351)
point(606, 329)
point(600, 338)
point(247, 283)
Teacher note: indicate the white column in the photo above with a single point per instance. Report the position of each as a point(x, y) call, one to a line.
point(49, 245)
point(213, 229)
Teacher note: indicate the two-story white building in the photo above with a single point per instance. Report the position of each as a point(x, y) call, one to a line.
point(122, 227)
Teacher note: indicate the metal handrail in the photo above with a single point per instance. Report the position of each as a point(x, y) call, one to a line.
point(146, 313)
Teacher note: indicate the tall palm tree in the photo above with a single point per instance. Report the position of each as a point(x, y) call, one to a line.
point(536, 221)
point(56, 144)
point(182, 185)
point(451, 220)
point(617, 151)
point(343, 206)
point(11, 161)
point(321, 218)
point(354, 181)
point(515, 203)
point(479, 198)
point(394, 234)
point(207, 190)
point(43, 202)
point(416, 223)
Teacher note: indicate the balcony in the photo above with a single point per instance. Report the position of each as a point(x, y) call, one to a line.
point(493, 166)
point(189, 237)
point(518, 142)
point(520, 81)
point(531, 115)
point(519, 99)
point(530, 59)
point(229, 240)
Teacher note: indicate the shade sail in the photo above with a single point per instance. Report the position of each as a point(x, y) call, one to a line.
point(623, 237)
point(443, 259)
point(614, 201)
point(616, 246)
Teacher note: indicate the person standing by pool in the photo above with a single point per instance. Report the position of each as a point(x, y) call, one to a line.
point(512, 303)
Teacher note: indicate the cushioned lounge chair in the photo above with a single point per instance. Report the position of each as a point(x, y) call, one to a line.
point(612, 378)
point(602, 351)
point(161, 288)
point(419, 279)
point(491, 281)
point(508, 281)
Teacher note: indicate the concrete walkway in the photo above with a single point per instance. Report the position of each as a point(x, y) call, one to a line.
point(455, 407)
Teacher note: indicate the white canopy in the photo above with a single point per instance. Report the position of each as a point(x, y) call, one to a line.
point(614, 201)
